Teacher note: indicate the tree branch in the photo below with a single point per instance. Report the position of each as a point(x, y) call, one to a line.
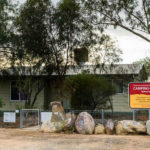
point(138, 34)
point(36, 94)
point(135, 17)
point(115, 22)
point(145, 12)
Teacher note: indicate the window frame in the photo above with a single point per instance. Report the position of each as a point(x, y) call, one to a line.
point(118, 93)
point(19, 100)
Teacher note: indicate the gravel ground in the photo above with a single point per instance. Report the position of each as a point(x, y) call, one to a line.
point(16, 139)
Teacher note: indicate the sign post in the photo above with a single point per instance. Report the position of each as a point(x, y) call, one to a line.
point(134, 111)
point(139, 95)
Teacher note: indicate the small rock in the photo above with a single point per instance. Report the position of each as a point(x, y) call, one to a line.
point(99, 129)
point(85, 123)
point(109, 127)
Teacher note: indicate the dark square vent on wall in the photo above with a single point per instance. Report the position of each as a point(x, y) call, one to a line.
point(81, 55)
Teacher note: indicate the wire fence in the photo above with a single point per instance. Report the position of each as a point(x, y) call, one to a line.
point(101, 116)
point(32, 118)
point(118, 116)
point(98, 115)
point(141, 115)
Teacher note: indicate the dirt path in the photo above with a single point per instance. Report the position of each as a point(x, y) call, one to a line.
point(16, 139)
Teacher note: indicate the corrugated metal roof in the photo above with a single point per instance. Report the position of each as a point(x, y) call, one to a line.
point(91, 69)
point(106, 69)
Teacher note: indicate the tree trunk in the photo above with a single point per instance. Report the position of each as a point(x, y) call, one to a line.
point(47, 94)
point(111, 105)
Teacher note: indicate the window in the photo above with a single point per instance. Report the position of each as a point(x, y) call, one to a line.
point(118, 85)
point(17, 95)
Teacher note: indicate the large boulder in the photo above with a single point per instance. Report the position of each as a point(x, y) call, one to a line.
point(109, 127)
point(130, 127)
point(99, 129)
point(85, 123)
point(148, 127)
point(58, 120)
point(58, 113)
point(52, 126)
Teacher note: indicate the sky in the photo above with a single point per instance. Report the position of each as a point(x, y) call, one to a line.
point(133, 47)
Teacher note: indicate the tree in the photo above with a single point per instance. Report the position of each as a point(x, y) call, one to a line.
point(89, 91)
point(5, 8)
point(29, 83)
point(131, 15)
point(146, 62)
point(8, 9)
point(105, 52)
point(42, 38)
point(54, 32)
point(45, 41)
point(7, 17)
point(46, 37)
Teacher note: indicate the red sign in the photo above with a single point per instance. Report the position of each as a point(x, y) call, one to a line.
point(139, 95)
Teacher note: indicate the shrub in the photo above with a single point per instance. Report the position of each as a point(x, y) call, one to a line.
point(89, 91)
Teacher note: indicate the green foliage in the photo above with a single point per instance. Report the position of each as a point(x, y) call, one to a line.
point(7, 10)
point(45, 34)
point(145, 62)
point(67, 13)
point(105, 52)
point(31, 27)
point(55, 31)
point(89, 91)
point(145, 72)
point(131, 15)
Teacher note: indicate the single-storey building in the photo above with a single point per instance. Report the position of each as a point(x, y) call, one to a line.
point(120, 75)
